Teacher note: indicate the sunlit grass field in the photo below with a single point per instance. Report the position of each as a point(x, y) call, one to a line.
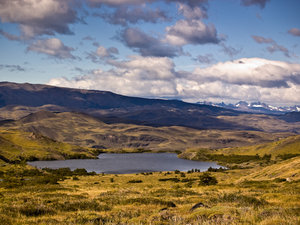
point(32, 197)
point(262, 186)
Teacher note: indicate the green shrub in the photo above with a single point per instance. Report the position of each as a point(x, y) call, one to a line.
point(80, 172)
point(174, 179)
point(287, 156)
point(32, 209)
point(135, 181)
point(206, 179)
point(241, 200)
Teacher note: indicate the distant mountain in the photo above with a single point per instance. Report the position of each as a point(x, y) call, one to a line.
point(108, 106)
point(20, 100)
point(256, 107)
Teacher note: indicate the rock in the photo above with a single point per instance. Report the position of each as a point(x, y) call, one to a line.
point(198, 205)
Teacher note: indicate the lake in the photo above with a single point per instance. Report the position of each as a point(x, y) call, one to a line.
point(128, 163)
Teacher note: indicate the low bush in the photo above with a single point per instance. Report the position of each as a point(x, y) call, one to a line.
point(241, 200)
point(174, 179)
point(287, 156)
point(135, 181)
point(206, 179)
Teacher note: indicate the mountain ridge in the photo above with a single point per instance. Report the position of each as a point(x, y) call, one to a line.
point(19, 100)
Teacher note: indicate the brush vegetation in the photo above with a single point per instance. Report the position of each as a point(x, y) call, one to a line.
point(262, 187)
point(31, 196)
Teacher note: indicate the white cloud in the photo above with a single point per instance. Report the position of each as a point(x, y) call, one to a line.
point(252, 72)
point(250, 79)
point(191, 32)
point(191, 12)
point(37, 17)
point(52, 47)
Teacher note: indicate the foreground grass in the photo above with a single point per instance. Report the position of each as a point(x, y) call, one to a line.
point(35, 197)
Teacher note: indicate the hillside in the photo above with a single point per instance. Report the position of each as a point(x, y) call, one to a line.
point(19, 100)
point(289, 169)
point(83, 130)
point(289, 145)
point(17, 146)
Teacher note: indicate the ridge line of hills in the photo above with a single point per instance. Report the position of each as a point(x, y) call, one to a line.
point(19, 100)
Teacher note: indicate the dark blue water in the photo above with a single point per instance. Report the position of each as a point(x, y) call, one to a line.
point(128, 163)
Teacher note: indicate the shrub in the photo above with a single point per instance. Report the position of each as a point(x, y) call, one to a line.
point(241, 200)
point(31, 209)
point(174, 179)
point(177, 172)
point(135, 181)
point(81, 172)
point(221, 169)
point(287, 156)
point(206, 179)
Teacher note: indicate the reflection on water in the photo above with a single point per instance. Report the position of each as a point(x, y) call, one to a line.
point(128, 163)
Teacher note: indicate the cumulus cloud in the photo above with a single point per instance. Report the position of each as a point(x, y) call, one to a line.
point(191, 3)
point(191, 32)
point(191, 12)
point(294, 32)
point(261, 3)
point(103, 53)
point(38, 17)
point(250, 79)
point(273, 47)
point(52, 47)
point(125, 15)
point(116, 3)
point(148, 45)
point(251, 72)
point(139, 76)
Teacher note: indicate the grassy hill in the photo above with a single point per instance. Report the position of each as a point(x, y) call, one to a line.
point(287, 169)
point(17, 146)
point(249, 156)
point(83, 130)
point(284, 146)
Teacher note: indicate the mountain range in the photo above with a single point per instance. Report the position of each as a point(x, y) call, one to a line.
point(256, 107)
point(20, 100)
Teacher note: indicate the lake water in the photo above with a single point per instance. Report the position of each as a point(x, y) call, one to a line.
point(128, 163)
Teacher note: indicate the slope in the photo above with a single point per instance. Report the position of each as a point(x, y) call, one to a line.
point(84, 130)
point(284, 146)
point(17, 146)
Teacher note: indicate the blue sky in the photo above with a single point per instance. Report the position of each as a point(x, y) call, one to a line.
point(194, 50)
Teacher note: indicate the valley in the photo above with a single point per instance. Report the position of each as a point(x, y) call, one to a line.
point(261, 153)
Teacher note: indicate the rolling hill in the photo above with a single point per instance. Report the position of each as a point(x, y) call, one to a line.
point(17, 146)
point(19, 100)
point(84, 130)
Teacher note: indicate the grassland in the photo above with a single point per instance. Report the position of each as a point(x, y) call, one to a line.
point(260, 188)
point(40, 197)
point(248, 156)
point(17, 146)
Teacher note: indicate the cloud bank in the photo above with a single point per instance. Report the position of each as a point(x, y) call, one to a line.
point(249, 79)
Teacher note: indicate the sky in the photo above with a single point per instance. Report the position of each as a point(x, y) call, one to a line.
point(191, 50)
